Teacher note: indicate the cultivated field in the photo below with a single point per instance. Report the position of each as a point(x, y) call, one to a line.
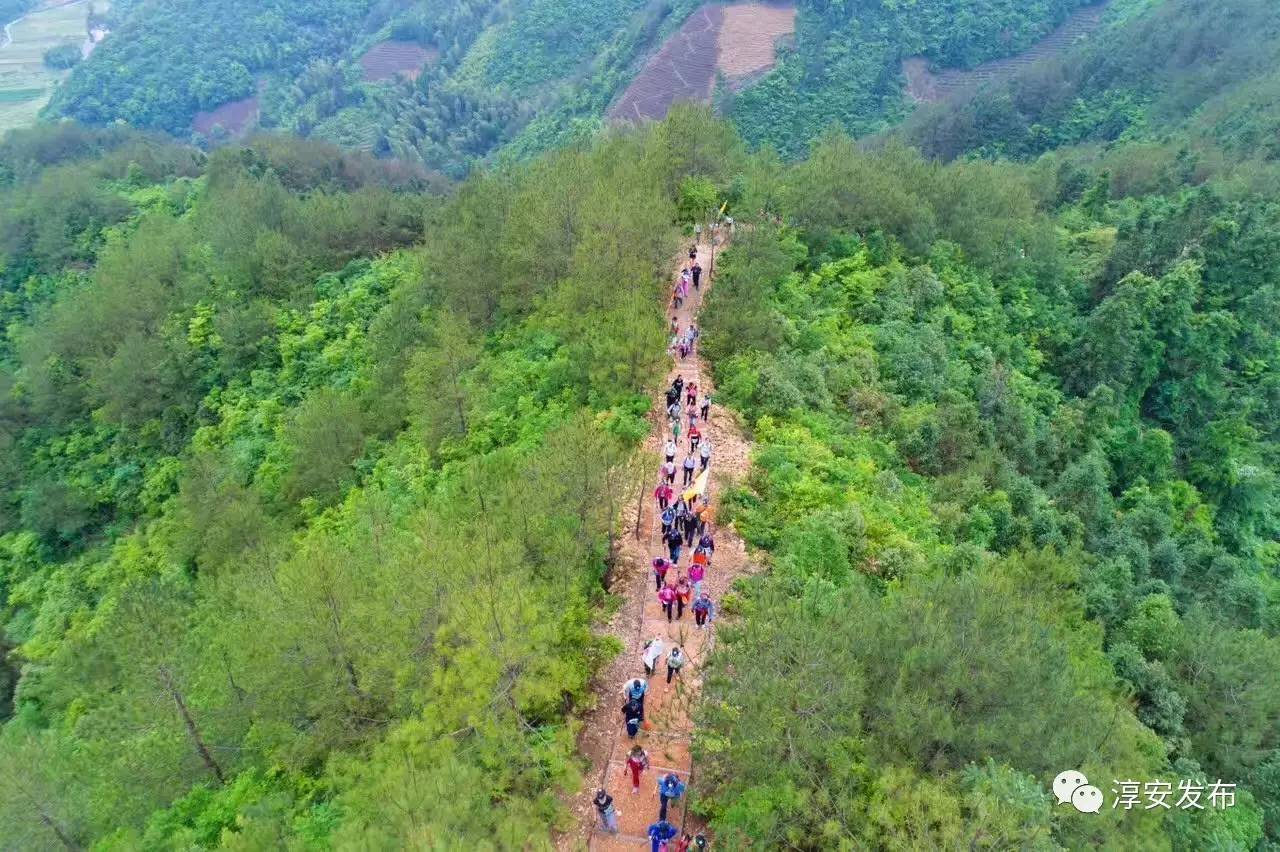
point(25, 82)
point(736, 41)
point(234, 117)
point(925, 86)
point(388, 59)
point(749, 37)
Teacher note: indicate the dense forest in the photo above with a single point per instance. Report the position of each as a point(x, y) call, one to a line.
point(1174, 72)
point(309, 479)
point(1016, 476)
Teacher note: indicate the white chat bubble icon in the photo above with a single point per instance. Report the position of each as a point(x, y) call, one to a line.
point(1087, 799)
point(1066, 783)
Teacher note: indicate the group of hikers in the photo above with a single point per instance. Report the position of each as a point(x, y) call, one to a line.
point(686, 516)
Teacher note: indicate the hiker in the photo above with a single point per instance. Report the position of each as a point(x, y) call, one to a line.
point(704, 453)
point(697, 572)
point(668, 517)
point(693, 254)
point(652, 652)
point(690, 523)
point(685, 841)
point(674, 540)
point(707, 543)
point(660, 832)
point(684, 592)
point(701, 557)
point(669, 450)
point(635, 689)
point(675, 296)
point(667, 597)
point(703, 610)
point(675, 325)
point(678, 382)
point(673, 411)
point(660, 568)
point(697, 275)
point(637, 762)
point(633, 715)
point(670, 788)
point(694, 437)
point(669, 471)
point(689, 467)
point(691, 390)
point(706, 407)
point(663, 493)
point(604, 807)
point(675, 427)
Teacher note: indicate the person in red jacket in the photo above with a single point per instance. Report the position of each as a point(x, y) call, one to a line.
point(637, 762)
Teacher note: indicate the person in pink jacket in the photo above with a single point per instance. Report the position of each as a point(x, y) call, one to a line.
point(667, 597)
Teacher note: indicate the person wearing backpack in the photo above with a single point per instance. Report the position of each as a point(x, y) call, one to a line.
point(704, 453)
point(608, 814)
point(660, 568)
point(675, 661)
point(674, 541)
point(661, 832)
point(697, 572)
point(633, 715)
point(684, 595)
point(635, 689)
point(667, 597)
point(637, 762)
point(670, 788)
point(703, 610)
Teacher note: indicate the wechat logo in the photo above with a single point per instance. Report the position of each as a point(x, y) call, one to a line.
point(1071, 786)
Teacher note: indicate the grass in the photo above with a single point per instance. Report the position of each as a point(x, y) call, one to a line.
point(25, 82)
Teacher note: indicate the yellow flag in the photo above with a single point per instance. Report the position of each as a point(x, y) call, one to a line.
point(699, 486)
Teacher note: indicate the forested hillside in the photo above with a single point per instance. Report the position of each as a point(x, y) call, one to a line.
point(1016, 474)
point(310, 476)
point(520, 76)
point(1165, 73)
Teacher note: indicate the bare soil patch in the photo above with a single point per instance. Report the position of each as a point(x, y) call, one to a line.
point(234, 116)
point(736, 41)
point(749, 37)
point(388, 59)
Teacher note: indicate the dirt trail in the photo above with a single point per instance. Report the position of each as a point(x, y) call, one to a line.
point(603, 741)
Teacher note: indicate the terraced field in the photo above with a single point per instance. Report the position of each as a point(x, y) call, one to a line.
point(736, 41)
point(926, 86)
point(389, 59)
point(25, 82)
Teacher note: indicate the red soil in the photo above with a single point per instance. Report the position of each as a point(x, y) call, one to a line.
point(234, 116)
point(736, 41)
point(389, 59)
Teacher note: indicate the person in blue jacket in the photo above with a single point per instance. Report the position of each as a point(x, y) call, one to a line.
point(670, 788)
point(660, 832)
